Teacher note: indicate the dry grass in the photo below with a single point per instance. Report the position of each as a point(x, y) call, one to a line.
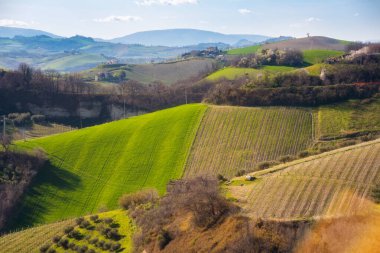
point(332, 184)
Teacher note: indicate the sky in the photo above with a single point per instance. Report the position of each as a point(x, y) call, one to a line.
point(357, 20)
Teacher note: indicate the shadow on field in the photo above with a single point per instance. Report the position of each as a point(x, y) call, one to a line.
point(50, 183)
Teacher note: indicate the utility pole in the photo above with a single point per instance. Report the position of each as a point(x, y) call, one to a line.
point(3, 125)
point(186, 95)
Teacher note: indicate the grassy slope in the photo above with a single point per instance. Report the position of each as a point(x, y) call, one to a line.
point(351, 116)
point(333, 183)
point(91, 168)
point(74, 62)
point(231, 73)
point(244, 50)
point(30, 240)
point(236, 138)
point(318, 56)
point(167, 73)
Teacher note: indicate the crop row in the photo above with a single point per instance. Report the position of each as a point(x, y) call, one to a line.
point(336, 184)
point(237, 138)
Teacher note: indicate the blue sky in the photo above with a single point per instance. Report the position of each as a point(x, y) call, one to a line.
point(343, 19)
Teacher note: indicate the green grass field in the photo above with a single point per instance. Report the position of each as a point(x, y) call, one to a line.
point(318, 56)
point(244, 50)
point(91, 168)
point(232, 73)
point(278, 69)
point(237, 138)
point(30, 240)
point(330, 184)
point(348, 117)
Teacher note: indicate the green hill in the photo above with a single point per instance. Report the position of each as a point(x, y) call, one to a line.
point(318, 56)
point(244, 50)
point(91, 168)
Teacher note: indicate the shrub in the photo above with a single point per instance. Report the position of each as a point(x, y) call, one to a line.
point(107, 246)
point(93, 240)
point(163, 239)
point(91, 251)
point(64, 243)
point(240, 173)
point(85, 224)
point(221, 178)
point(51, 251)
point(72, 245)
point(94, 218)
point(83, 249)
point(108, 220)
point(266, 165)
point(303, 154)
point(56, 238)
point(44, 248)
point(113, 234)
point(79, 220)
point(75, 234)
point(347, 143)
point(115, 246)
point(100, 244)
point(68, 229)
point(133, 199)
point(286, 158)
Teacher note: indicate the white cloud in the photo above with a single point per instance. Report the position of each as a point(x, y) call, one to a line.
point(165, 2)
point(117, 19)
point(244, 11)
point(12, 22)
point(356, 14)
point(312, 19)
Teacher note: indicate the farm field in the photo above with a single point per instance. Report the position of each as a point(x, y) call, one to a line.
point(310, 43)
point(244, 50)
point(92, 167)
point(232, 73)
point(30, 240)
point(348, 117)
point(231, 139)
point(318, 56)
point(38, 130)
point(74, 62)
point(168, 73)
point(331, 184)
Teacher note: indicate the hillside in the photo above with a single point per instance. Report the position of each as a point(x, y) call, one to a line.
point(309, 43)
point(30, 240)
point(334, 183)
point(92, 167)
point(348, 118)
point(231, 139)
point(168, 73)
point(232, 73)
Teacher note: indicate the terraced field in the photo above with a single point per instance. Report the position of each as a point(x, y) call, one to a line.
point(351, 116)
point(334, 183)
point(237, 138)
point(30, 240)
point(92, 167)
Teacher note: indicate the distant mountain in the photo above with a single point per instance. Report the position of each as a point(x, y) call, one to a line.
point(10, 32)
point(185, 37)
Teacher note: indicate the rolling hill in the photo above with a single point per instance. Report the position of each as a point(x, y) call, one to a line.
point(10, 32)
point(168, 73)
point(331, 184)
point(185, 37)
point(91, 168)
